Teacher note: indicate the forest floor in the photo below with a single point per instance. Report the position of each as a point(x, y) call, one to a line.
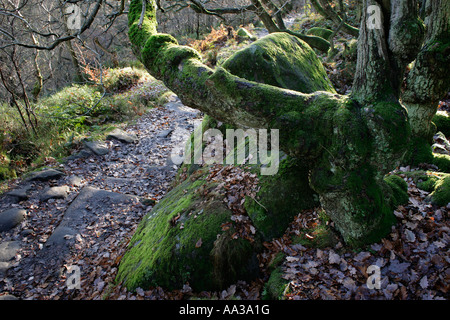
point(412, 261)
point(84, 211)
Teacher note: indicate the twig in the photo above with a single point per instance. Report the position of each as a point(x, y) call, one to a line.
point(144, 8)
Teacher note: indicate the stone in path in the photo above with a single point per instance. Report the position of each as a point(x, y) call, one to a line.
point(45, 175)
point(19, 194)
point(76, 214)
point(97, 147)
point(8, 250)
point(54, 193)
point(84, 153)
point(122, 136)
point(8, 297)
point(11, 218)
point(165, 133)
point(74, 181)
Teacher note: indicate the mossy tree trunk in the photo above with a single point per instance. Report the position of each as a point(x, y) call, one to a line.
point(428, 80)
point(348, 142)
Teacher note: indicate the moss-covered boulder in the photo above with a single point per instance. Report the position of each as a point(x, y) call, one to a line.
point(442, 122)
point(441, 193)
point(320, 32)
point(398, 190)
point(245, 34)
point(281, 60)
point(182, 240)
point(437, 183)
point(442, 161)
point(275, 287)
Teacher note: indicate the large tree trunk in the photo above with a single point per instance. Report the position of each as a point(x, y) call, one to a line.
point(348, 142)
point(428, 80)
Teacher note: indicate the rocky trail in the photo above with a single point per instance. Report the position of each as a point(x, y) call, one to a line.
point(83, 212)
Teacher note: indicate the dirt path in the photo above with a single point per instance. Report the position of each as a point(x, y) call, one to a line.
point(82, 213)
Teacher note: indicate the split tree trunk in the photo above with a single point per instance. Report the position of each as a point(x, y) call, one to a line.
point(428, 81)
point(348, 142)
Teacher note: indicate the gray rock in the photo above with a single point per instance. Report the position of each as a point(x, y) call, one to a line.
point(54, 193)
point(97, 147)
point(60, 236)
point(83, 153)
point(439, 148)
point(11, 218)
point(74, 217)
point(165, 133)
point(8, 297)
point(8, 250)
point(122, 136)
point(20, 194)
point(4, 266)
point(45, 175)
point(74, 181)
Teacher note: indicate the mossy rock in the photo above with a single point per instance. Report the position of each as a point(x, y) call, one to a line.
point(281, 60)
point(181, 240)
point(441, 193)
point(245, 34)
point(437, 183)
point(442, 161)
point(280, 198)
point(275, 287)
point(442, 122)
point(320, 32)
point(399, 190)
point(350, 50)
point(7, 173)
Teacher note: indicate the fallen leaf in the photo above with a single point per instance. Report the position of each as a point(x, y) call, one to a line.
point(199, 243)
point(424, 282)
point(333, 258)
point(410, 236)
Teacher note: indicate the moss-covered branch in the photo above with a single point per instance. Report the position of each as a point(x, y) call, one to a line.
point(323, 8)
point(347, 146)
point(428, 80)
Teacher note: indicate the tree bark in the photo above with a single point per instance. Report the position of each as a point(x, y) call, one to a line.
point(348, 142)
point(428, 80)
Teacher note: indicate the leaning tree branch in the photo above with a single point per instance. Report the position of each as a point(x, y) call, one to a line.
point(323, 8)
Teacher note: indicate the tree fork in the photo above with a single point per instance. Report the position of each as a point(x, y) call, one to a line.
point(349, 143)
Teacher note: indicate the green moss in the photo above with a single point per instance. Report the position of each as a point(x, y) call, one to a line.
point(276, 286)
point(320, 32)
point(280, 198)
point(442, 122)
point(442, 161)
point(139, 34)
point(398, 190)
point(281, 60)
point(441, 193)
point(437, 183)
point(163, 254)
